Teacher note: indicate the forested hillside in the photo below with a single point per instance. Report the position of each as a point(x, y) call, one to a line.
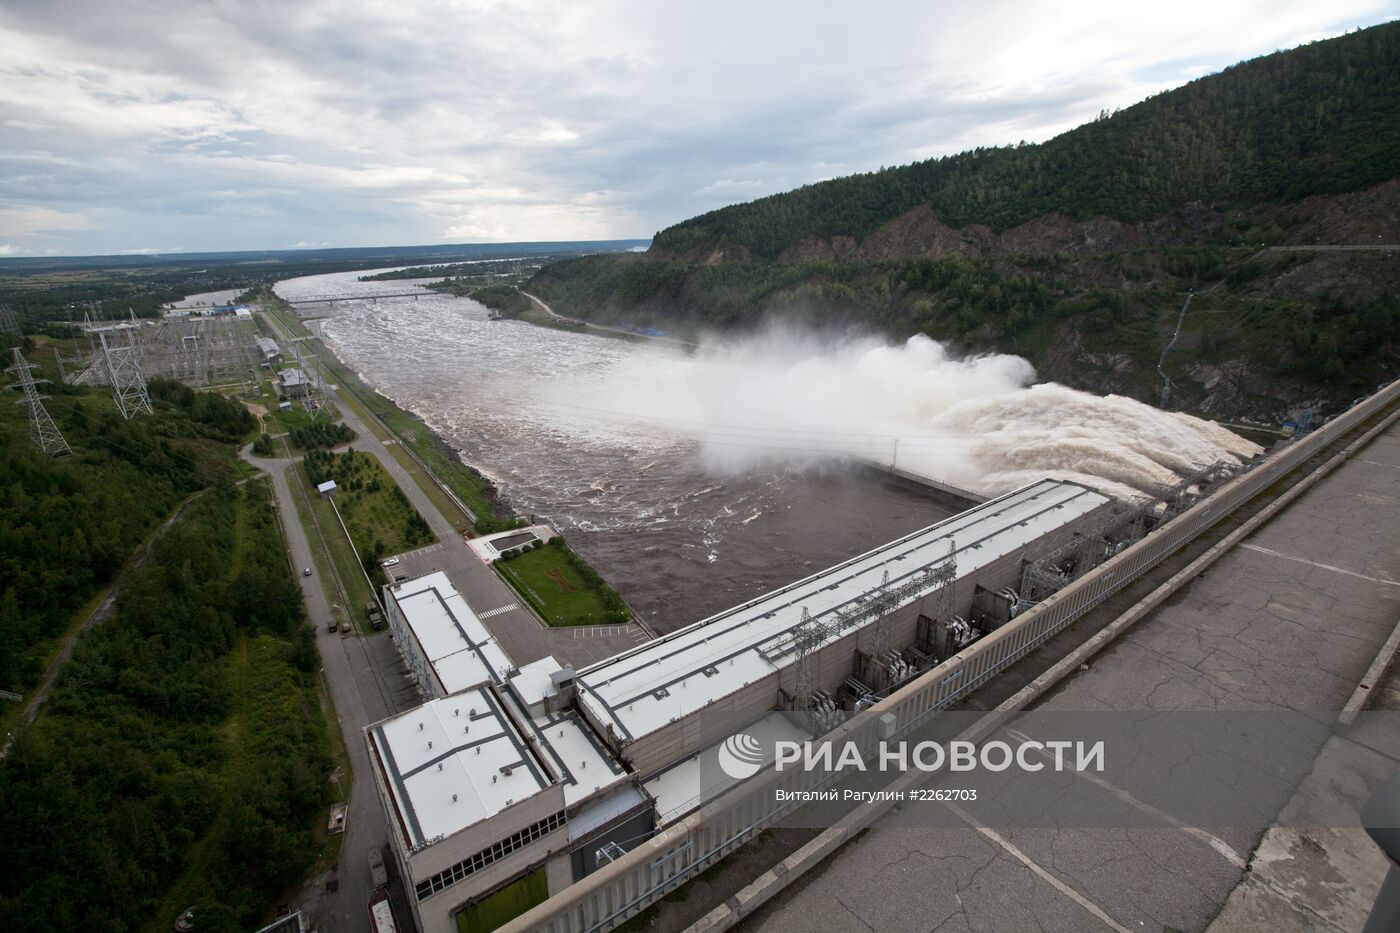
point(1078, 253)
point(1320, 119)
point(189, 718)
point(71, 523)
point(181, 756)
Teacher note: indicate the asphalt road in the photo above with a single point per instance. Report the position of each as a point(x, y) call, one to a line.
point(367, 682)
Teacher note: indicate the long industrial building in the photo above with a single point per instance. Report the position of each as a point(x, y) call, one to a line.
point(512, 782)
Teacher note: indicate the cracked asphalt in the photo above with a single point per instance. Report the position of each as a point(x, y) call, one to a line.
point(1289, 620)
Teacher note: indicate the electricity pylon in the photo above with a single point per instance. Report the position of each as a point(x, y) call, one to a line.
point(45, 434)
point(128, 382)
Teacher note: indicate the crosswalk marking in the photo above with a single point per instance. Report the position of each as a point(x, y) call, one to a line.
point(495, 612)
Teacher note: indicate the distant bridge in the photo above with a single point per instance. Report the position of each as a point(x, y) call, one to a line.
point(332, 299)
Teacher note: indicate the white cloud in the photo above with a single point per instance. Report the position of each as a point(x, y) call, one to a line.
point(731, 189)
point(34, 221)
point(358, 122)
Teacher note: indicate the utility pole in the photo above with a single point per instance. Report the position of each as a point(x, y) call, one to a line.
point(128, 383)
point(42, 429)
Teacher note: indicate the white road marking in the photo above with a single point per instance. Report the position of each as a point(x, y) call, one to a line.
point(1216, 843)
point(498, 611)
point(1304, 560)
point(1044, 875)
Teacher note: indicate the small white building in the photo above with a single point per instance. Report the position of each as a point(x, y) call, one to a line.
point(326, 489)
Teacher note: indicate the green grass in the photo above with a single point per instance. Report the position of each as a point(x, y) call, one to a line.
point(551, 582)
point(298, 417)
point(266, 691)
point(341, 574)
point(505, 905)
point(372, 506)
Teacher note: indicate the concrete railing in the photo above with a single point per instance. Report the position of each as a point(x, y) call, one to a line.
point(624, 888)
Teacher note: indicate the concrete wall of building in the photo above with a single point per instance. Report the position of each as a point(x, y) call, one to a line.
point(485, 834)
point(436, 911)
point(558, 872)
point(409, 649)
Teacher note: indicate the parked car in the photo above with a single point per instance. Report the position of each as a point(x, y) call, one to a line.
point(390, 562)
point(306, 572)
point(331, 626)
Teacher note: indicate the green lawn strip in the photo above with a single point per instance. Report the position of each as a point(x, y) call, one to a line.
point(323, 524)
point(555, 586)
point(380, 519)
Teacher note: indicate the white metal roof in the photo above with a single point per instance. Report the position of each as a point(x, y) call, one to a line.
point(586, 765)
point(604, 811)
point(445, 763)
point(645, 689)
point(327, 486)
point(457, 645)
point(532, 682)
point(291, 376)
point(688, 784)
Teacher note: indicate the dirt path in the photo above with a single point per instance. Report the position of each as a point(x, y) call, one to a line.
point(101, 614)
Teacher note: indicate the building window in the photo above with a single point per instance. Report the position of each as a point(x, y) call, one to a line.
point(450, 876)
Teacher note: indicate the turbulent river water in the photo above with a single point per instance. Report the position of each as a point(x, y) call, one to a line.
point(694, 480)
point(550, 417)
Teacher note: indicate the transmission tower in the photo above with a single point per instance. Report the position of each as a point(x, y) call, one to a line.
point(128, 383)
point(9, 324)
point(807, 637)
point(880, 641)
point(315, 398)
point(42, 429)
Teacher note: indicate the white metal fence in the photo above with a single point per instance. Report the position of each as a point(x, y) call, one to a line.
point(623, 888)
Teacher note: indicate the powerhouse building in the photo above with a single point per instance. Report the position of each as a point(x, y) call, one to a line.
point(528, 776)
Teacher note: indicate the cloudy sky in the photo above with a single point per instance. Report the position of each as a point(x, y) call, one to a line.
point(128, 125)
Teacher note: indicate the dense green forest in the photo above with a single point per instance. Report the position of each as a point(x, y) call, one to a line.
point(1342, 344)
point(182, 753)
point(321, 434)
point(1319, 119)
point(1267, 332)
point(503, 299)
point(71, 523)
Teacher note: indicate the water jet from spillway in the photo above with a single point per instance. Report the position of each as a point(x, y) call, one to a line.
point(980, 422)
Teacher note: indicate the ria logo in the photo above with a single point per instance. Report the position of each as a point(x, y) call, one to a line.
point(741, 756)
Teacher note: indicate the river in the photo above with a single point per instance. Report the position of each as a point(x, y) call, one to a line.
point(539, 411)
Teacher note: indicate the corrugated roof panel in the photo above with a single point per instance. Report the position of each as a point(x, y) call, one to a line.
point(456, 643)
point(645, 689)
point(455, 746)
point(604, 811)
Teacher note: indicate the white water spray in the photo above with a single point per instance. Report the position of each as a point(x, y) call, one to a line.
point(979, 422)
